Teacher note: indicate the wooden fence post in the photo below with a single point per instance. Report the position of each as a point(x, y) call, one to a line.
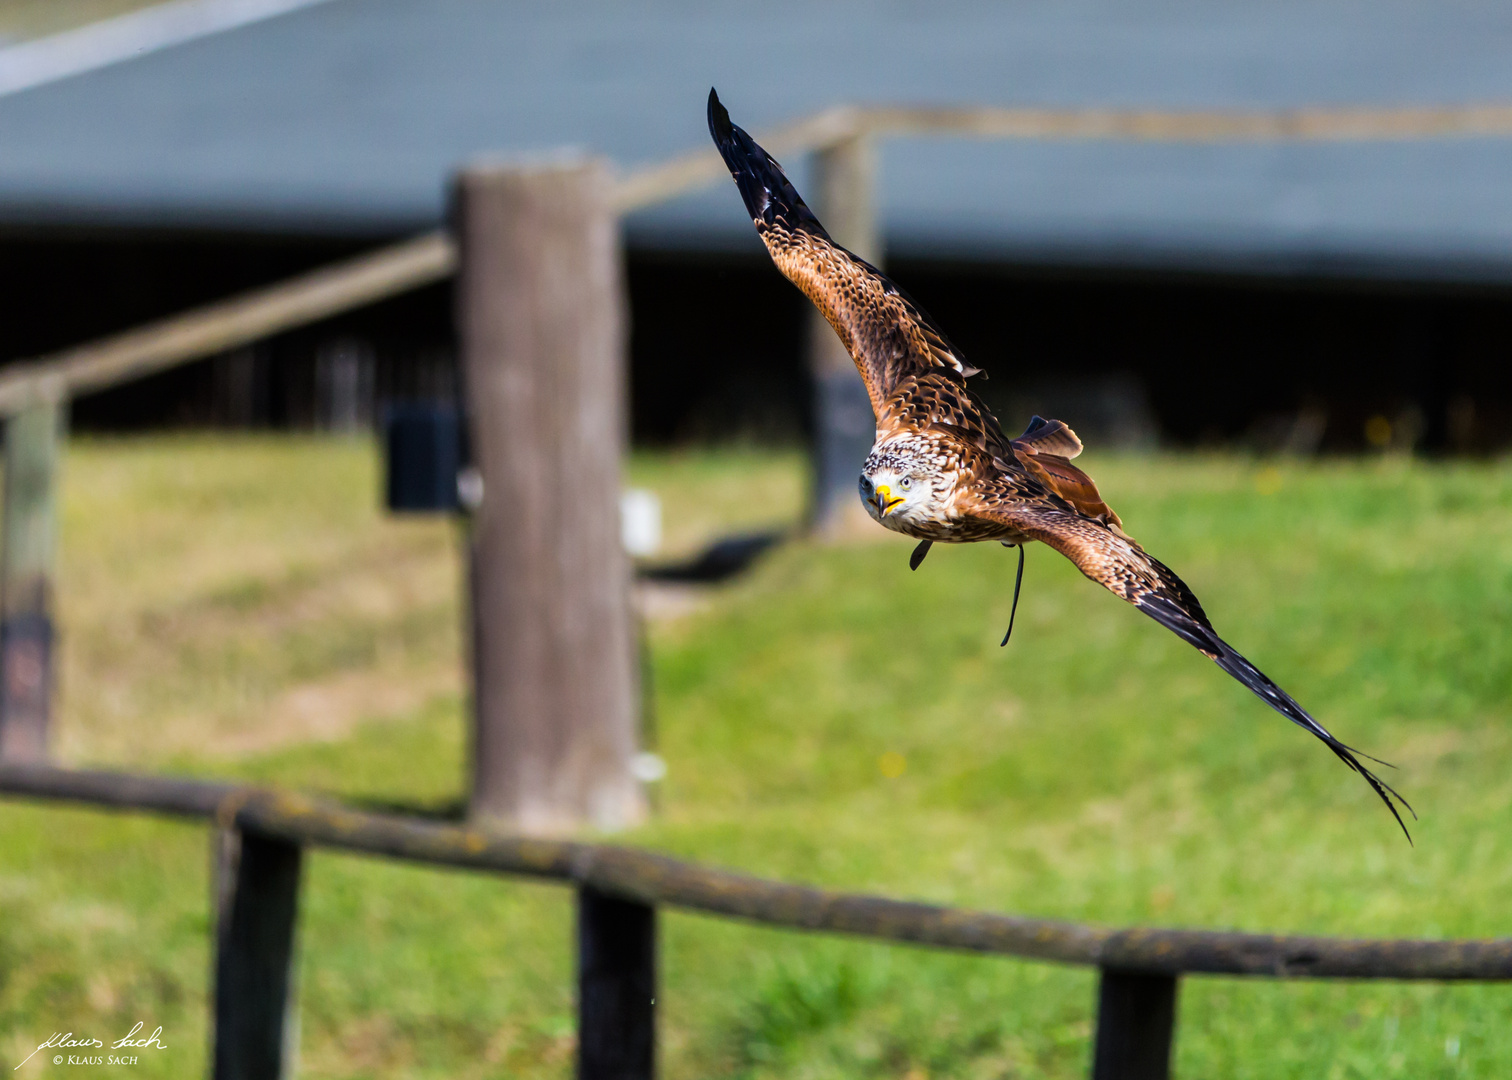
point(32, 441)
point(541, 318)
point(844, 428)
point(1136, 1019)
point(257, 897)
point(616, 988)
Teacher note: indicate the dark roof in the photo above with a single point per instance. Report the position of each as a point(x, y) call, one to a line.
point(348, 116)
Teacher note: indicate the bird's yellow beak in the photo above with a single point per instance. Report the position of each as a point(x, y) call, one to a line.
point(884, 500)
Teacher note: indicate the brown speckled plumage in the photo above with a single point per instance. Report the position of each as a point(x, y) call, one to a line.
point(941, 468)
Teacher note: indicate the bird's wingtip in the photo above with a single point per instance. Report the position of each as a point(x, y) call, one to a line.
point(719, 117)
point(764, 187)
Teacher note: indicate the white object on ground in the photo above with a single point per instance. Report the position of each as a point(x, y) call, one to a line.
point(640, 522)
point(647, 767)
point(470, 487)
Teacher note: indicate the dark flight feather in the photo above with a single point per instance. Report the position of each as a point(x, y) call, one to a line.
point(1120, 565)
point(889, 337)
point(769, 196)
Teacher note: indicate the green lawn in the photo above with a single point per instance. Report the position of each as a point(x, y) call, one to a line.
point(1095, 769)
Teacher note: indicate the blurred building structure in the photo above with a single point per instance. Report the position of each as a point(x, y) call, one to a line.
point(1285, 293)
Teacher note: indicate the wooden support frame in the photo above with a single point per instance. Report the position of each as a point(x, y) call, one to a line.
point(33, 441)
point(1136, 1025)
point(616, 971)
point(257, 899)
point(541, 775)
point(541, 314)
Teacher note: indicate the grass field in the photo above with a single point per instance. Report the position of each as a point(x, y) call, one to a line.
point(240, 608)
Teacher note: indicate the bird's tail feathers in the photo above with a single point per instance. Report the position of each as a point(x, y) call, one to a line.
point(769, 195)
point(1195, 630)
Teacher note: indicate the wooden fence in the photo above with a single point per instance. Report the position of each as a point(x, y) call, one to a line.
point(619, 890)
point(542, 340)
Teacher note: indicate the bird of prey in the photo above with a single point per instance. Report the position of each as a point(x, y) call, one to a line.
point(941, 469)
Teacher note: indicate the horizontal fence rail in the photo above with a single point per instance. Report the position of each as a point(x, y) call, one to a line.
point(431, 257)
point(653, 879)
point(227, 324)
point(1199, 126)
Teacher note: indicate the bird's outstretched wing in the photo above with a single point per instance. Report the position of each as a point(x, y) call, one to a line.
point(885, 332)
point(1113, 560)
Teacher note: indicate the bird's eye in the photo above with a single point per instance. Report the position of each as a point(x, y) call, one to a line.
point(906, 483)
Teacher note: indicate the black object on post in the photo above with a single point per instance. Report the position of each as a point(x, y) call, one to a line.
point(616, 988)
point(1136, 1018)
point(423, 451)
point(257, 898)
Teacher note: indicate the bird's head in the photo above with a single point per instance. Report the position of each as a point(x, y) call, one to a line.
point(895, 491)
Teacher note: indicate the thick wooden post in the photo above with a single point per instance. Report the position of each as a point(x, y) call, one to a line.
point(541, 315)
point(616, 988)
point(844, 427)
point(1136, 1019)
point(32, 441)
point(257, 894)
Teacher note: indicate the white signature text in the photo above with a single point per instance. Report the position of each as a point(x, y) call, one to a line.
point(67, 1040)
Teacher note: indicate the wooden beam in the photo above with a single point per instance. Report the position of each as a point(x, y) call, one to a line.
point(648, 878)
point(616, 958)
point(1136, 1021)
point(257, 898)
point(541, 321)
point(33, 441)
point(1343, 124)
point(214, 328)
